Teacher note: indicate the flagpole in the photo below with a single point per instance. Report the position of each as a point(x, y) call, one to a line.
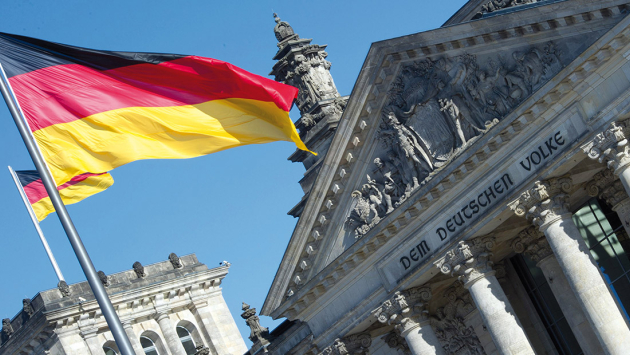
point(115, 326)
point(31, 213)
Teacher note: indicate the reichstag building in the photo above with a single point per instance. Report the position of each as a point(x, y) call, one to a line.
point(471, 196)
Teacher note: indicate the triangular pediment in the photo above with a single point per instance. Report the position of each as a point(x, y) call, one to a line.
point(424, 105)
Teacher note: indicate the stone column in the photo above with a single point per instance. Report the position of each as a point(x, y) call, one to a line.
point(470, 261)
point(547, 206)
point(611, 147)
point(609, 188)
point(532, 243)
point(406, 310)
point(170, 335)
point(133, 338)
point(92, 341)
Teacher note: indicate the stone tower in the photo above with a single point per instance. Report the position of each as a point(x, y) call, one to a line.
point(304, 65)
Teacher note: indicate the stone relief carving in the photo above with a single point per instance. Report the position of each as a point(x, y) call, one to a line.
point(532, 243)
point(104, 279)
point(139, 269)
point(357, 344)
point(545, 202)
point(397, 342)
point(307, 69)
point(450, 329)
point(495, 5)
point(258, 332)
point(175, 261)
point(202, 350)
point(435, 109)
point(611, 146)
point(27, 307)
point(64, 289)
point(468, 260)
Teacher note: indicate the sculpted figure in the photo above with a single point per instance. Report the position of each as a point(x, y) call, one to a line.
point(341, 347)
point(390, 188)
point(175, 261)
point(453, 112)
point(27, 307)
point(6, 327)
point(104, 279)
point(64, 288)
point(408, 145)
point(139, 269)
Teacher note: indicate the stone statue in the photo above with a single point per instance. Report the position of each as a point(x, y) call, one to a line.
point(27, 307)
point(175, 261)
point(391, 188)
point(253, 322)
point(408, 145)
point(104, 279)
point(368, 204)
point(139, 269)
point(64, 288)
point(6, 327)
point(453, 113)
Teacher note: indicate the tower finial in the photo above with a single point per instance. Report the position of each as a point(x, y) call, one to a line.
point(282, 29)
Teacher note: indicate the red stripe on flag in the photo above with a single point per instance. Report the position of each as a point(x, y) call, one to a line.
point(36, 191)
point(66, 93)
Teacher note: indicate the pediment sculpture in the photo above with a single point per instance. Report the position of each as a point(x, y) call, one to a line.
point(435, 109)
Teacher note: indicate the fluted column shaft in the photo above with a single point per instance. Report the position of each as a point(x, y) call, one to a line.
point(533, 243)
point(470, 260)
point(547, 206)
point(170, 335)
point(406, 310)
point(421, 338)
point(133, 338)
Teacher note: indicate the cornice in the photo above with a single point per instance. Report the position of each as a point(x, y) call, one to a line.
point(578, 78)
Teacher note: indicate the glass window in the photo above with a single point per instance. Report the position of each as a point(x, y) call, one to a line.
point(546, 306)
point(608, 243)
point(148, 346)
point(109, 351)
point(186, 339)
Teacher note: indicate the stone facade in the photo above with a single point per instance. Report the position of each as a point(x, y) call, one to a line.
point(153, 303)
point(471, 196)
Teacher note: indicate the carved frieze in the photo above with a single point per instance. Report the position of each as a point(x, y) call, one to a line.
point(495, 5)
point(450, 329)
point(356, 344)
point(434, 110)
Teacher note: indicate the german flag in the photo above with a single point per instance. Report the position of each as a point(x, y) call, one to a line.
point(73, 191)
point(93, 111)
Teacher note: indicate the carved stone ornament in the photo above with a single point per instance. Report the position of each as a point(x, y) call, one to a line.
point(611, 146)
point(607, 186)
point(63, 288)
point(27, 307)
point(356, 344)
point(545, 202)
point(257, 333)
point(397, 342)
point(104, 279)
point(405, 309)
point(7, 329)
point(139, 269)
point(450, 329)
point(469, 260)
point(435, 109)
point(175, 261)
point(303, 66)
point(202, 350)
point(495, 5)
point(531, 242)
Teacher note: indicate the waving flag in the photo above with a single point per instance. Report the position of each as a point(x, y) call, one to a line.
point(92, 111)
point(73, 191)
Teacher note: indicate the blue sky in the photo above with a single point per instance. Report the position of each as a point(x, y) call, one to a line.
point(230, 205)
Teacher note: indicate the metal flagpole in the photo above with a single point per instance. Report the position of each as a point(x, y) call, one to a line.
point(73, 236)
point(31, 213)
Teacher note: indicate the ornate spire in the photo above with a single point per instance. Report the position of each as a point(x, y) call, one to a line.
point(283, 30)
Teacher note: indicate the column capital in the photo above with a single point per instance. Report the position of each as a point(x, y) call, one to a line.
point(531, 242)
point(544, 203)
point(607, 186)
point(160, 315)
point(468, 260)
point(353, 344)
point(395, 341)
point(406, 310)
point(611, 145)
